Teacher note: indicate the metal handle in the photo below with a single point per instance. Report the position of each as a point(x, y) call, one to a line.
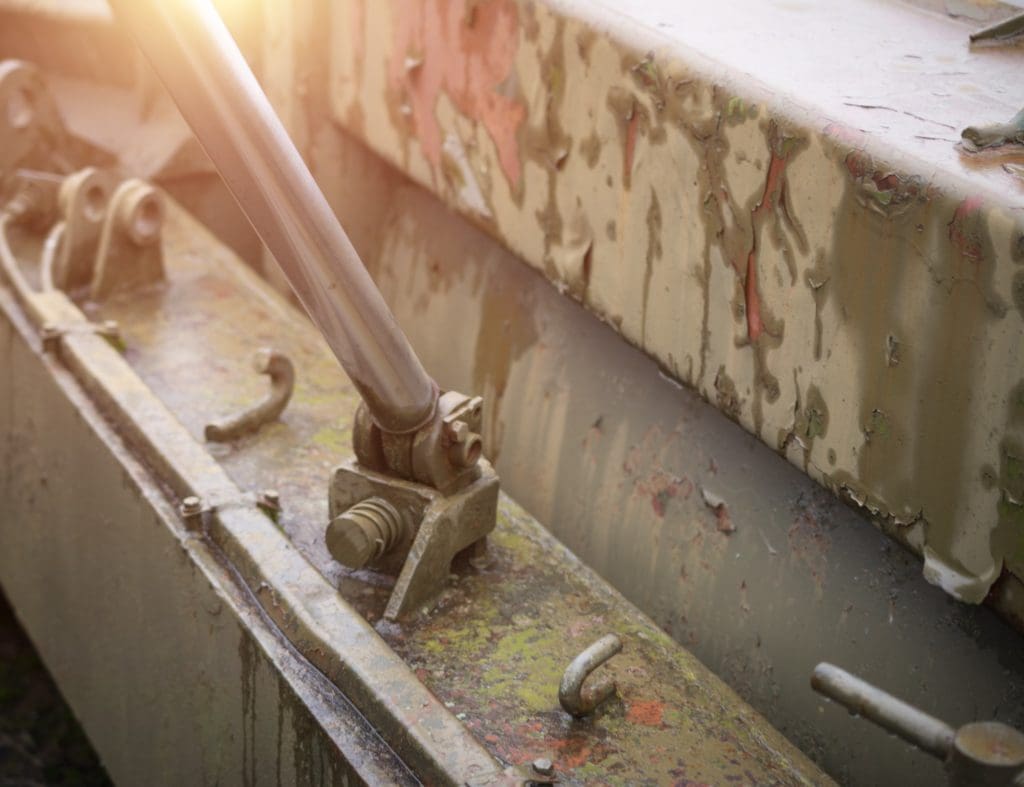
point(863, 699)
point(202, 68)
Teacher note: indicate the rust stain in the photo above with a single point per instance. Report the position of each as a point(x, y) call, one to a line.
point(773, 186)
point(647, 712)
point(632, 124)
point(467, 51)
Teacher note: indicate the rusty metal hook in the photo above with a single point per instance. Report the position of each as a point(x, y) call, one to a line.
point(576, 700)
point(279, 368)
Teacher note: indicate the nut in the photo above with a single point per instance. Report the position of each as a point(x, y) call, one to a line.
point(543, 766)
point(269, 502)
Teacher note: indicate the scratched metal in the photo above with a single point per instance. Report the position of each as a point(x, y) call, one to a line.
point(494, 646)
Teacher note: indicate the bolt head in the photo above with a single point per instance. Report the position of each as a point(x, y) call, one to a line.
point(50, 336)
point(271, 497)
point(191, 506)
point(350, 542)
point(543, 766)
point(458, 431)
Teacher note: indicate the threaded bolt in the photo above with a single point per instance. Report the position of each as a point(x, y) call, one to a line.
point(365, 532)
point(191, 510)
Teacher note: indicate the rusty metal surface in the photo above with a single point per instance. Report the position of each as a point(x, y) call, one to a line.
point(793, 545)
point(797, 237)
point(495, 646)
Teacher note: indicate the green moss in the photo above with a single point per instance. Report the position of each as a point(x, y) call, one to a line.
point(333, 439)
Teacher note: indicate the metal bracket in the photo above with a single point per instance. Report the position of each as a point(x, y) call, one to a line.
point(83, 199)
point(409, 529)
point(194, 510)
point(129, 253)
point(31, 131)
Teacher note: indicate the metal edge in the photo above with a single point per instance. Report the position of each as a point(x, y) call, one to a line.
point(324, 628)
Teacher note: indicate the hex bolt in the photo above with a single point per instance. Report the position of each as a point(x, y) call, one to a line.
point(365, 532)
point(466, 445)
point(543, 766)
point(191, 510)
point(271, 498)
point(270, 502)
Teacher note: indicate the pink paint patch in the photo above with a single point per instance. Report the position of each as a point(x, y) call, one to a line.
point(962, 233)
point(772, 187)
point(466, 50)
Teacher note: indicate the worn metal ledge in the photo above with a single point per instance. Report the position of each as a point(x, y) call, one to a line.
point(155, 641)
point(768, 198)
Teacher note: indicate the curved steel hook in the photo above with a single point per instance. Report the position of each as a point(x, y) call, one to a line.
point(576, 700)
point(279, 368)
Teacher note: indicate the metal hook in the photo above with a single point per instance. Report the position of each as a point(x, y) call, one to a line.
point(282, 379)
point(576, 700)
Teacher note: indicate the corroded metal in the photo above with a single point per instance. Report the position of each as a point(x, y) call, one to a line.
point(809, 265)
point(978, 754)
point(497, 640)
point(414, 532)
point(579, 700)
point(567, 420)
point(279, 368)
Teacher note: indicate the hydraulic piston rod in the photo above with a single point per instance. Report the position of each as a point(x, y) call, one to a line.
point(202, 68)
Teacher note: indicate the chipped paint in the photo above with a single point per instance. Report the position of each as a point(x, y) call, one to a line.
point(799, 272)
point(464, 50)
